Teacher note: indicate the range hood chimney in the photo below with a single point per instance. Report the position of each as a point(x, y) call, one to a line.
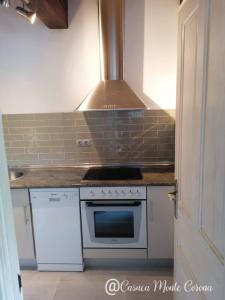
point(112, 92)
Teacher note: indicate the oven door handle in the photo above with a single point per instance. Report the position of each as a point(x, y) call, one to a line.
point(92, 204)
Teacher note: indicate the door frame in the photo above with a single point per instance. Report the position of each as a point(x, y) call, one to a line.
point(9, 263)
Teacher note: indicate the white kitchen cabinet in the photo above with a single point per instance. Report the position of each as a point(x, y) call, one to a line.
point(57, 229)
point(23, 227)
point(160, 222)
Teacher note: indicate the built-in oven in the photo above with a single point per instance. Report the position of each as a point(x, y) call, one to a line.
point(114, 217)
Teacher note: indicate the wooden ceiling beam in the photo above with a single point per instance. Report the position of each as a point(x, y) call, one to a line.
point(53, 13)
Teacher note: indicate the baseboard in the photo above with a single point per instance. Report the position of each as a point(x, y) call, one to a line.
point(128, 263)
point(28, 264)
point(61, 267)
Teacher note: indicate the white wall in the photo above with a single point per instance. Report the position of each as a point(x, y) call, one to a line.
point(151, 50)
point(43, 70)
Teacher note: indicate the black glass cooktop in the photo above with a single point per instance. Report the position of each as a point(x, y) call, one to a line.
point(113, 173)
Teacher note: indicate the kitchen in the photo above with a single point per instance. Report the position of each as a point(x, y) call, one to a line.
point(88, 112)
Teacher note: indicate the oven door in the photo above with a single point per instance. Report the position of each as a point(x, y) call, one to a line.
point(114, 224)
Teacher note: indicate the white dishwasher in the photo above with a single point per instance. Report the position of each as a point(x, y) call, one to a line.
point(57, 229)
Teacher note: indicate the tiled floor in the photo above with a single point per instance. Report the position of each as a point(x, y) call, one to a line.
point(91, 284)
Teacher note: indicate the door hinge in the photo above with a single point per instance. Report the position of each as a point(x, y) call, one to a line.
point(20, 282)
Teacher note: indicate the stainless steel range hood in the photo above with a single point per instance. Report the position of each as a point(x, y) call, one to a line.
point(112, 92)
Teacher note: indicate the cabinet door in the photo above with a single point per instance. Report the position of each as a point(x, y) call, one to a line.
point(160, 222)
point(23, 225)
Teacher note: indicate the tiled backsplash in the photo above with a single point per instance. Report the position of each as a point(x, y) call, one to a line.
point(116, 137)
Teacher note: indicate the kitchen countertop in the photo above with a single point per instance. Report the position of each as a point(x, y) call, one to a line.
point(68, 176)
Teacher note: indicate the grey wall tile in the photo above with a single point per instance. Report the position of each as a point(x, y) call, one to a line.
point(116, 137)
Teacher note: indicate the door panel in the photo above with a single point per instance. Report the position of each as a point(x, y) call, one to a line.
point(212, 221)
point(200, 148)
point(191, 117)
point(9, 264)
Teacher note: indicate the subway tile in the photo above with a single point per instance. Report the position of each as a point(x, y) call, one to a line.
point(100, 128)
point(157, 140)
point(22, 157)
point(34, 123)
point(24, 144)
point(149, 133)
point(130, 127)
point(150, 120)
point(81, 122)
point(63, 149)
point(28, 136)
point(21, 117)
point(122, 121)
point(71, 155)
point(165, 119)
point(70, 143)
point(163, 147)
point(48, 129)
point(89, 135)
point(117, 136)
point(89, 122)
point(50, 156)
point(22, 130)
point(14, 137)
point(49, 143)
point(42, 136)
point(49, 116)
point(67, 162)
point(62, 122)
point(69, 116)
point(13, 123)
point(165, 133)
point(15, 150)
point(122, 113)
point(62, 136)
point(38, 150)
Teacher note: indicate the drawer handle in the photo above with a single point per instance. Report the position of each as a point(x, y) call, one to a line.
point(151, 211)
point(54, 199)
point(25, 215)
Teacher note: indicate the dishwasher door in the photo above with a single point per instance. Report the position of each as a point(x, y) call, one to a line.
point(57, 229)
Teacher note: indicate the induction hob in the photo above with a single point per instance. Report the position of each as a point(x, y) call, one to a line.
point(113, 173)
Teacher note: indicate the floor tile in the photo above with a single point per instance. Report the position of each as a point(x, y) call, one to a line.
point(90, 285)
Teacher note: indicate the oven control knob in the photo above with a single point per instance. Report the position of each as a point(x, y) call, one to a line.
point(131, 192)
point(137, 192)
point(123, 193)
point(103, 192)
point(92, 193)
point(116, 192)
point(109, 192)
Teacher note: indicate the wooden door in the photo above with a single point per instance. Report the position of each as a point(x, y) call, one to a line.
point(9, 264)
point(200, 151)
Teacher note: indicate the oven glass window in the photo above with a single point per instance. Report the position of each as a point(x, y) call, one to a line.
point(114, 224)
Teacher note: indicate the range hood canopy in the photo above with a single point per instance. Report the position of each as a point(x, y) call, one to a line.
point(112, 92)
